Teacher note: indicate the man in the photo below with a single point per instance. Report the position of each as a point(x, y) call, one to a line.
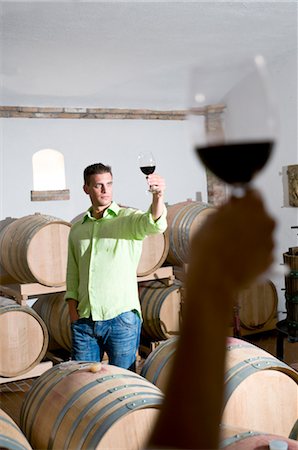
point(103, 254)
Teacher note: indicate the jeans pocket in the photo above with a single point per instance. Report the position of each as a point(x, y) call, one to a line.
point(128, 318)
point(83, 322)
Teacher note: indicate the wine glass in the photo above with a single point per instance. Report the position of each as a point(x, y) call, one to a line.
point(232, 122)
point(147, 165)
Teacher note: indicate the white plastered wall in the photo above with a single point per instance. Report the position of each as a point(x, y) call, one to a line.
point(118, 142)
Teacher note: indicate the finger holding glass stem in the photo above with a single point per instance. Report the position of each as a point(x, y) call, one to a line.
point(156, 184)
point(157, 187)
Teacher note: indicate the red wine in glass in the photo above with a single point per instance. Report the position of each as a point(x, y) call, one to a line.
point(147, 170)
point(147, 165)
point(238, 162)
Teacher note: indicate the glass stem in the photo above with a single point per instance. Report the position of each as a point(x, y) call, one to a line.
point(239, 190)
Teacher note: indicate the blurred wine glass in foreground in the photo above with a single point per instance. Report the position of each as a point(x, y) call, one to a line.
point(232, 121)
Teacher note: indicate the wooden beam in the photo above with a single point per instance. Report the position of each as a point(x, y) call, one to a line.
point(32, 112)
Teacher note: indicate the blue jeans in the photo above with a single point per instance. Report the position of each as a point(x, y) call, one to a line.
point(118, 337)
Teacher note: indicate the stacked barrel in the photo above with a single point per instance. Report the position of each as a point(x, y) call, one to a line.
point(162, 299)
point(78, 407)
point(33, 249)
point(261, 392)
point(24, 338)
point(11, 436)
point(256, 306)
point(291, 283)
point(73, 406)
point(118, 407)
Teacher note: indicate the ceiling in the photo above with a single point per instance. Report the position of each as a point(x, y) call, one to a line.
point(130, 54)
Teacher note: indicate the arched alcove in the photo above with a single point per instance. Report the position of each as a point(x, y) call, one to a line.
point(48, 176)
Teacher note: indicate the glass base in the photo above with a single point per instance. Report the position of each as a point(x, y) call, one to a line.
point(239, 190)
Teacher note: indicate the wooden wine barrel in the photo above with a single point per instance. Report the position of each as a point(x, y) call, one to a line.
point(34, 249)
point(154, 253)
point(261, 392)
point(161, 309)
point(5, 278)
point(23, 338)
point(291, 283)
point(258, 305)
point(291, 280)
point(158, 364)
point(78, 409)
point(154, 250)
point(184, 219)
point(11, 437)
point(235, 438)
point(53, 310)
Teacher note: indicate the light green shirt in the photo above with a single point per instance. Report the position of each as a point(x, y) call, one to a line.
point(103, 256)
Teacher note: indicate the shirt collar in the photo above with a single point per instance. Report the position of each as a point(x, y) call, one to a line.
point(113, 210)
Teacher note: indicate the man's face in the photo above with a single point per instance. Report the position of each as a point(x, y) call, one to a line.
point(100, 189)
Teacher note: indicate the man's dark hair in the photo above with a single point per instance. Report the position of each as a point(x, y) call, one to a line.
point(95, 169)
